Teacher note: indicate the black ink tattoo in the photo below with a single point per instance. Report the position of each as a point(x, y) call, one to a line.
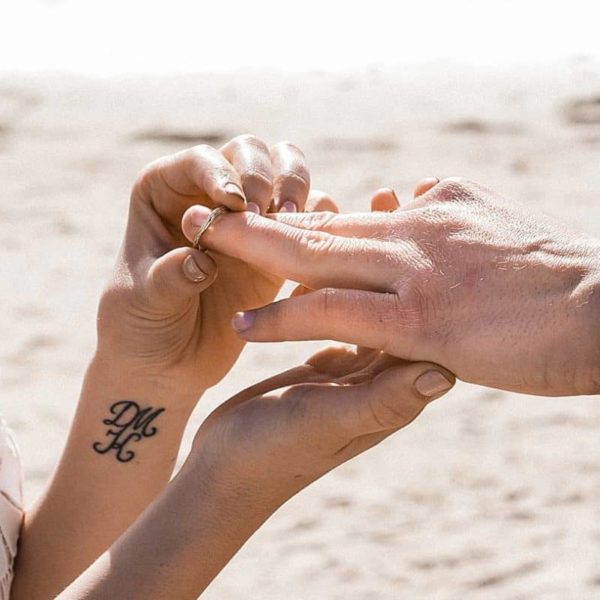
point(129, 423)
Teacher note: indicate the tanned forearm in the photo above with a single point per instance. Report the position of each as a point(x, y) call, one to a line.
point(180, 543)
point(120, 454)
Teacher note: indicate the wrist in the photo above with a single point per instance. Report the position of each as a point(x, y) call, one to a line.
point(232, 492)
point(125, 378)
point(250, 479)
point(180, 365)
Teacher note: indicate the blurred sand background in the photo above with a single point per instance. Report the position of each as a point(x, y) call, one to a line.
point(488, 495)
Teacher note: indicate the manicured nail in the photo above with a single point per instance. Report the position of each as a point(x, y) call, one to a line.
point(432, 383)
point(289, 207)
point(242, 321)
point(192, 271)
point(233, 189)
point(253, 207)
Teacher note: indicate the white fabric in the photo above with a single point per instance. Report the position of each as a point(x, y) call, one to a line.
point(11, 506)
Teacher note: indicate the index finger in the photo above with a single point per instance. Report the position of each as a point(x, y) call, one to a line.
point(198, 175)
point(314, 258)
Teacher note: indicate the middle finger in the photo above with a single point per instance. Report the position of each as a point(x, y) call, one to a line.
point(291, 178)
point(250, 157)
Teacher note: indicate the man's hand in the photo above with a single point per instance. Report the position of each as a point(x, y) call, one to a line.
point(459, 276)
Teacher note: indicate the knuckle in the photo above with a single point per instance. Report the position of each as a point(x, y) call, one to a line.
point(256, 181)
point(413, 308)
point(196, 157)
point(454, 189)
point(387, 309)
point(312, 244)
point(319, 221)
point(288, 146)
point(193, 154)
point(298, 177)
point(399, 319)
point(455, 179)
point(199, 163)
point(192, 159)
point(145, 180)
point(249, 139)
point(420, 304)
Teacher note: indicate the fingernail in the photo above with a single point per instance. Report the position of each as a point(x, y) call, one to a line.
point(432, 383)
point(253, 207)
point(235, 190)
point(289, 207)
point(192, 271)
point(242, 321)
point(198, 216)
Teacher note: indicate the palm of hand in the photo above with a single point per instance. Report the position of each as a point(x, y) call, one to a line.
point(287, 431)
point(299, 424)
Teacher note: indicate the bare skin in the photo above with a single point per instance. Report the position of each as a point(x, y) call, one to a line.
point(459, 276)
point(250, 456)
point(163, 339)
point(168, 303)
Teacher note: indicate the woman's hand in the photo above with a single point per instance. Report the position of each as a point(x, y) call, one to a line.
point(163, 338)
point(251, 455)
point(281, 434)
point(459, 276)
point(167, 309)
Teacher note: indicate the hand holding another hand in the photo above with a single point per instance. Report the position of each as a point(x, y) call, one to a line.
point(278, 436)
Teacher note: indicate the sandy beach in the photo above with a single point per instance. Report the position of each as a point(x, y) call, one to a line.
point(489, 495)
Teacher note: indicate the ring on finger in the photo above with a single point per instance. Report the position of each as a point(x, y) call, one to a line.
point(212, 217)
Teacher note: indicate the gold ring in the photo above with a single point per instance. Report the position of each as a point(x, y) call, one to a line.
point(212, 217)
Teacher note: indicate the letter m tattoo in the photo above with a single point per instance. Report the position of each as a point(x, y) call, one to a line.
point(128, 424)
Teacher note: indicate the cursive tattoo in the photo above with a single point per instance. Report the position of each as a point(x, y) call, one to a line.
point(128, 424)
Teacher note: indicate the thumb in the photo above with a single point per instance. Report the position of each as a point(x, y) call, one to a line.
point(392, 400)
point(180, 275)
